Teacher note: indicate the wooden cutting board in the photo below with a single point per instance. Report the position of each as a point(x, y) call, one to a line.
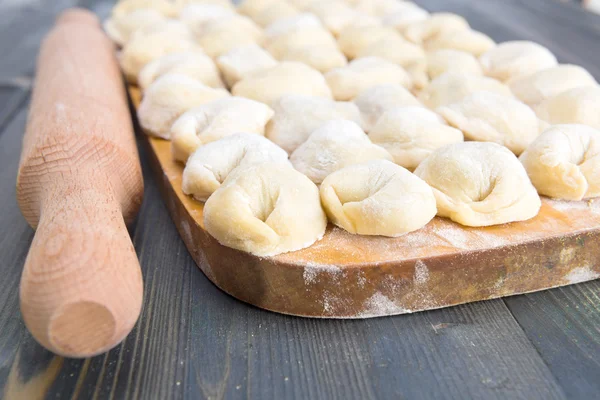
point(353, 276)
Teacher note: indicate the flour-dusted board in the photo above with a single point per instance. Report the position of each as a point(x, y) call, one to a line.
point(355, 276)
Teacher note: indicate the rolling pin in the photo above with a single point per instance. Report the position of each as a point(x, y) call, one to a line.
point(79, 183)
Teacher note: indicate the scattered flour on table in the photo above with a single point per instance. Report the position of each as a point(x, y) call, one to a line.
point(421, 274)
point(581, 274)
point(378, 305)
point(311, 270)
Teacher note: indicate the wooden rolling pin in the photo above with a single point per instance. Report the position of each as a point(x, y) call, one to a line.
point(79, 183)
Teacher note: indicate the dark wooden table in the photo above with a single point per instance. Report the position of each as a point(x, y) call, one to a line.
point(194, 341)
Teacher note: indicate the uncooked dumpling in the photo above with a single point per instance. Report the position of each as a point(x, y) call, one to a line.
point(322, 58)
point(469, 41)
point(165, 7)
point(490, 117)
point(333, 146)
point(195, 15)
point(243, 61)
point(535, 88)
point(451, 87)
point(449, 60)
point(516, 59)
point(120, 29)
point(252, 8)
point(381, 8)
point(359, 75)
point(266, 209)
point(410, 134)
point(354, 39)
point(564, 162)
point(275, 11)
point(479, 184)
point(296, 117)
point(211, 164)
point(170, 96)
point(215, 120)
point(376, 100)
point(400, 20)
point(437, 25)
point(397, 50)
point(224, 34)
point(145, 47)
point(575, 106)
point(377, 198)
point(289, 24)
point(334, 14)
point(285, 78)
point(194, 64)
point(297, 38)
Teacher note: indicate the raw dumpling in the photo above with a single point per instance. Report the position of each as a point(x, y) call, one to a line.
point(170, 96)
point(266, 209)
point(252, 8)
point(316, 36)
point(334, 14)
point(348, 82)
point(333, 146)
point(479, 184)
point(224, 34)
point(212, 163)
point(377, 198)
point(376, 100)
point(120, 29)
point(451, 87)
point(195, 15)
point(289, 24)
point(449, 60)
point(322, 58)
point(123, 7)
point(381, 8)
point(564, 162)
point(490, 117)
point(397, 50)
point(243, 61)
point(535, 88)
point(143, 48)
point(296, 117)
point(438, 24)
point(275, 11)
point(354, 39)
point(515, 59)
point(575, 106)
point(469, 41)
point(288, 77)
point(194, 64)
point(215, 120)
point(400, 20)
point(410, 134)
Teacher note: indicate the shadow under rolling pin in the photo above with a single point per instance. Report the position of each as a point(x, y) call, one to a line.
point(79, 183)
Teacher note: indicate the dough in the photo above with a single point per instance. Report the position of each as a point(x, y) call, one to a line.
point(450, 60)
point(145, 47)
point(353, 39)
point(212, 163)
point(170, 96)
point(194, 64)
point(297, 116)
point(334, 14)
point(224, 34)
point(215, 120)
point(297, 38)
point(535, 88)
point(195, 15)
point(243, 61)
point(124, 7)
point(438, 24)
point(121, 28)
point(490, 117)
point(400, 20)
point(274, 12)
point(359, 75)
point(410, 134)
point(377, 198)
point(451, 87)
point(252, 8)
point(335, 145)
point(322, 58)
point(515, 59)
point(574, 106)
point(468, 41)
point(376, 100)
point(288, 77)
point(397, 50)
point(479, 184)
point(564, 162)
point(286, 25)
point(381, 8)
point(266, 209)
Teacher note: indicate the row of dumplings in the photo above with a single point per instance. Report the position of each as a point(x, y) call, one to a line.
point(314, 106)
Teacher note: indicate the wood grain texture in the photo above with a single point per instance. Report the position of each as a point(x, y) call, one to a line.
point(193, 341)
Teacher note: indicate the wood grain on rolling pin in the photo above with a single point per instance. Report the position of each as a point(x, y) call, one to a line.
point(79, 182)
